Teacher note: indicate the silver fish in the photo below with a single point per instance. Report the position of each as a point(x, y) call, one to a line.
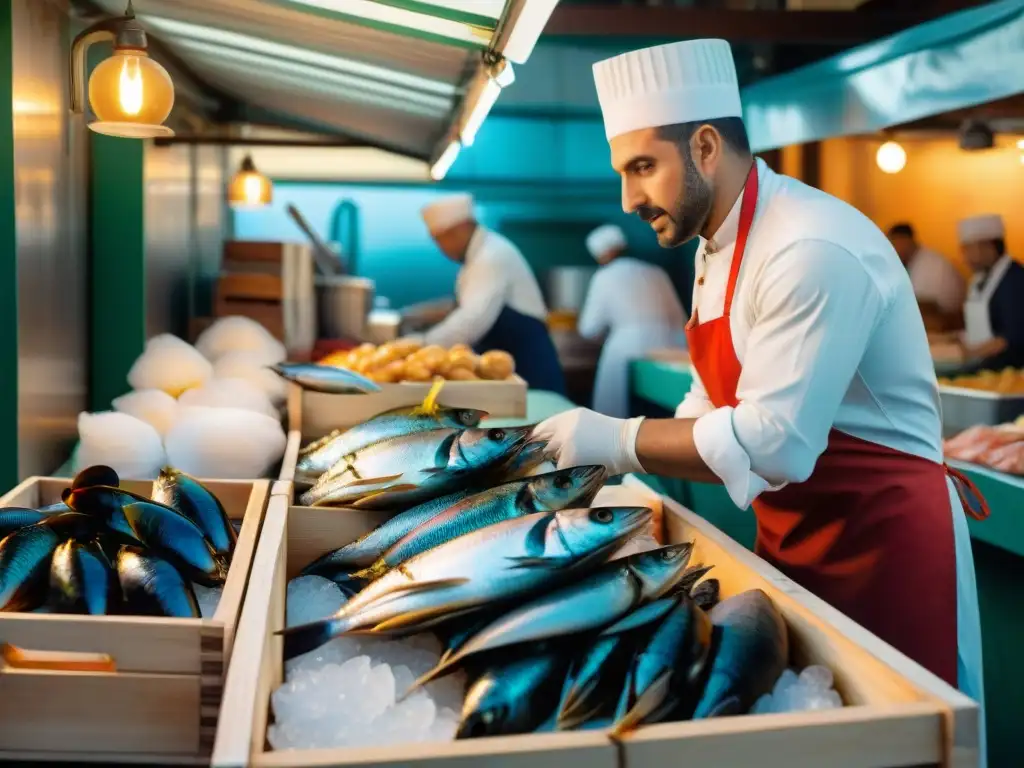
point(326, 378)
point(666, 677)
point(513, 697)
point(153, 587)
point(414, 468)
point(324, 454)
point(592, 603)
point(597, 677)
point(531, 460)
point(478, 569)
point(562, 489)
point(339, 564)
point(751, 648)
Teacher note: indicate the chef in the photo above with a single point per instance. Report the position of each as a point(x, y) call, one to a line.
point(500, 305)
point(633, 302)
point(994, 309)
point(938, 284)
point(814, 397)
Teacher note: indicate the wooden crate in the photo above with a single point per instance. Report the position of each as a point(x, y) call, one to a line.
point(315, 414)
point(162, 703)
point(899, 714)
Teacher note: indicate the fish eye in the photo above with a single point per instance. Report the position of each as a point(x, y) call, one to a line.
point(497, 435)
point(668, 555)
point(562, 482)
point(601, 515)
point(466, 417)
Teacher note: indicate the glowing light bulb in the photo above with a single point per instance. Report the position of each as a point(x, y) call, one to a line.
point(253, 188)
point(891, 157)
point(129, 87)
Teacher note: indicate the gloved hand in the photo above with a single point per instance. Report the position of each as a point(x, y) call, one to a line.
point(582, 436)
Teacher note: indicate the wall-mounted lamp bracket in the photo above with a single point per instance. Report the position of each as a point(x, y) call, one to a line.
point(124, 31)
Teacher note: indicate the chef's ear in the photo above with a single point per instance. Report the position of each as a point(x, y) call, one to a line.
point(706, 148)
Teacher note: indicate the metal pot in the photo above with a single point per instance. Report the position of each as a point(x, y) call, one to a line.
point(567, 287)
point(345, 303)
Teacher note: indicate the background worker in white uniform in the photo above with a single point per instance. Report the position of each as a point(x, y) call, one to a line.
point(938, 284)
point(994, 310)
point(633, 302)
point(500, 305)
point(817, 401)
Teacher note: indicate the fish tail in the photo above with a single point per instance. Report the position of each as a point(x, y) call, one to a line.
point(308, 637)
point(444, 668)
point(349, 583)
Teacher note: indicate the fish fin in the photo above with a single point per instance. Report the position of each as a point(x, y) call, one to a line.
point(412, 619)
point(429, 406)
point(100, 474)
point(691, 576)
point(420, 586)
point(537, 536)
point(442, 669)
point(642, 616)
point(552, 563)
point(375, 571)
point(373, 480)
point(574, 700)
point(308, 637)
point(646, 704)
point(376, 495)
point(577, 718)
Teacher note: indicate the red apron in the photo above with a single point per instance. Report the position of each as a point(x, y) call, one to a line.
point(871, 531)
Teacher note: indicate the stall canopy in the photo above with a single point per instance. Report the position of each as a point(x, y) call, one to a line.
point(412, 76)
point(960, 60)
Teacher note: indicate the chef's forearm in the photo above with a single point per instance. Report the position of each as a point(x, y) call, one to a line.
point(666, 447)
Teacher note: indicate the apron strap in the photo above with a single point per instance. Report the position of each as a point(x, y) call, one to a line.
point(964, 486)
point(747, 208)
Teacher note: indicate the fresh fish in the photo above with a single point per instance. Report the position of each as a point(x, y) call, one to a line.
point(454, 633)
point(478, 569)
point(597, 678)
point(154, 587)
point(55, 509)
point(189, 497)
point(327, 452)
point(155, 526)
point(592, 603)
point(690, 577)
point(513, 697)
point(339, 564)
point(531, 460)
point(82, 580)
point(14, 518)
point(562, 489)
point(326, 378)
point(414, 468)
point(705, 594)
point(666, 677)
point(751, 649)
point(24, 563)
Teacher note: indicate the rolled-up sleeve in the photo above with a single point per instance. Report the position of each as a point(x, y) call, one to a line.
point(481, 298)
point(815, 307)
point(696, 403)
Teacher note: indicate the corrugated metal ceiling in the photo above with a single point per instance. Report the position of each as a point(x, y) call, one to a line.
point(391, 72)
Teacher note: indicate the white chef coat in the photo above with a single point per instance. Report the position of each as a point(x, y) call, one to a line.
point(637, 305)
point(826, 326)
point(977, 319)
point(493, 275)
point(936, 279)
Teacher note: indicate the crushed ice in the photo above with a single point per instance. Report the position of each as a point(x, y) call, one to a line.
point(208, 598)
point(343, 694)
point(811, 689)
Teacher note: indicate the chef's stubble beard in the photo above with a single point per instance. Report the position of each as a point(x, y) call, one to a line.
point(691, 211)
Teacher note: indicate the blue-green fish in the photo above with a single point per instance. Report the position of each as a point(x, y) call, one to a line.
point(326, 378)
point(154, 587)
point(187, 496)
point(82, 580)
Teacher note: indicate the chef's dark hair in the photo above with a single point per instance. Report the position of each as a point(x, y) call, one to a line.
point(903, 229)
point(731, 129)
point(1000, 245)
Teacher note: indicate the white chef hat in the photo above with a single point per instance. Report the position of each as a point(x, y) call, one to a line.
point(667, 84)
point(976, 229)
point(605, 238)
point(445, 212)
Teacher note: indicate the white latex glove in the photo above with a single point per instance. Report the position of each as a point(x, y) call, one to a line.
point(581, 436)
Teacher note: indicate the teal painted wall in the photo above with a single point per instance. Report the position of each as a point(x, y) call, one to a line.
point(543, 182)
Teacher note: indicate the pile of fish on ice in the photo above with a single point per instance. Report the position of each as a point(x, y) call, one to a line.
point(496, 573)
point(105, 550)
